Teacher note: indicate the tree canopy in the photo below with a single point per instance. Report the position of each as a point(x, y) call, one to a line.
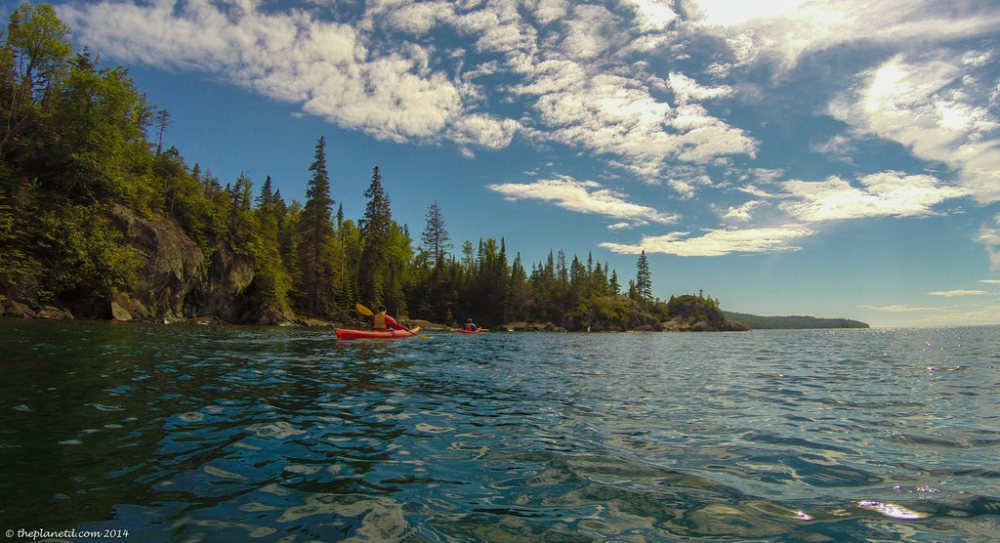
point(75, 145)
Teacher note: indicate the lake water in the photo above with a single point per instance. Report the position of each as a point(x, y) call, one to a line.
point(240, 434)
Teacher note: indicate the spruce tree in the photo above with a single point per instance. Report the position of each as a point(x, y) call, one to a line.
point(435, 237)
point(613, 284)
point(316, 234)
point(271, 279)
point(375, 235)
point(643, 280)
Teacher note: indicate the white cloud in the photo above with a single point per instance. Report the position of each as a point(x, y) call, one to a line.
point(989, 235)
point(718, 242)
point(577, 69)
point(839, 146)
point(741, 213)
point(966, 312)
point(584, 197)
point(898, 308)
point(548, 11)
point(787, 29)
point(327, 67)
point(936, 107)
point(498, 27)
point(484, 131)
point(687, 89)
point(589, 33)
point(753, 190)
point(990, 281)
point(885, 194)
point(416, 18)
point(652, 15)
point(957, 293)
point(618, 116)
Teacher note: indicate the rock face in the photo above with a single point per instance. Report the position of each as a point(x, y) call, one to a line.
point(224, 292)
point(174, 281)
point(171, 268)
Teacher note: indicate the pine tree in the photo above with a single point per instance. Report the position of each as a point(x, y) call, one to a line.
point(644, 280)
point(266, 196)
point(468, 260)
point(613, 285)
point(435, 237)
point(375, 234)
point(271, 279)
point(518, 292)
point(162, 122)
point(316, 234)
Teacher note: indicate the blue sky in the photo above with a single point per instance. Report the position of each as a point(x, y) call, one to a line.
point(837, 158)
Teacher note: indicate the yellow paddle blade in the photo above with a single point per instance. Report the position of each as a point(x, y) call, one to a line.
point(363, 310)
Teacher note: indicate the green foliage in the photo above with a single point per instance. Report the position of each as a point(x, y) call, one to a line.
point(792, 322)
point(33, 60)
point(101, 148)
point(271, 281)
point(73, 142)
point(17, 265)
point(316, 238)
point(84, 254)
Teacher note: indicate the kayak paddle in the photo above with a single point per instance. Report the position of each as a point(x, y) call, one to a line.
point(363, 310)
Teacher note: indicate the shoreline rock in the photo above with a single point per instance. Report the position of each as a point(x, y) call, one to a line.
point(532, 327)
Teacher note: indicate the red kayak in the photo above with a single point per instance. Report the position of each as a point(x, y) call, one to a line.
point(347, 333)
point(463, 331)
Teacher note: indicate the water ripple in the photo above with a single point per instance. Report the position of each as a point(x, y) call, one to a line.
point(215, 433)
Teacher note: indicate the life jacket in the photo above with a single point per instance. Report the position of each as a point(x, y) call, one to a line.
point(469, 327)
point(378, 321)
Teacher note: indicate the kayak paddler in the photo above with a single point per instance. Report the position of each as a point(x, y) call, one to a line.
point(382, 321)
point(470, 326)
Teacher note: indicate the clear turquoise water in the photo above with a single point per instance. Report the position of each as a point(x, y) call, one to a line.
point(237, 434)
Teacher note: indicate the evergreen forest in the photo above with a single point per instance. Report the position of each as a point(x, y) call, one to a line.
point(83, 167)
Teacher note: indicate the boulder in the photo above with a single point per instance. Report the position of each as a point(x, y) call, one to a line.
point(12, 308)
point(54, 313)
point(123, 307)
point(119, 313)
point(533, 327)
point(424, 325)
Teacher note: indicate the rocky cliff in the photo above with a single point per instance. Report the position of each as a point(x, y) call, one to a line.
point(174, 281)
point(171, 268)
